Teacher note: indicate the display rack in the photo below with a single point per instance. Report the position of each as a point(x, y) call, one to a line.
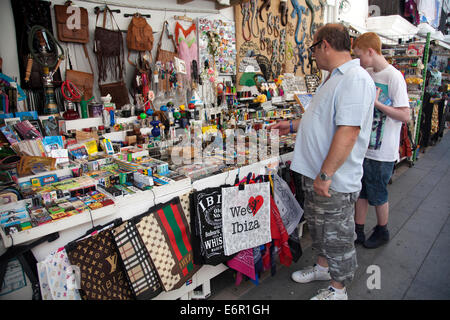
point(86, 217)
point(417, 126)
point(415, 91)
point(129, 206)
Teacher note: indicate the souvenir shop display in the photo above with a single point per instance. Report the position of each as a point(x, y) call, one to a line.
point(140, 143)
point(225, 59)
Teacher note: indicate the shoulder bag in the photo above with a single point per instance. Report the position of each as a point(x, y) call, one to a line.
point(66, 34)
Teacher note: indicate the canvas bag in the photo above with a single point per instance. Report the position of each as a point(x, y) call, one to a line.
point(56, 278)
point(166, 235)
point(139, 36)
point(290, 210)
point(245, 217)
point(79, 35)
point(206, 226)
point(139, 267)
point(102, 274)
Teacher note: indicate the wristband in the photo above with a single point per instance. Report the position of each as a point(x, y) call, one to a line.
point(291, 128)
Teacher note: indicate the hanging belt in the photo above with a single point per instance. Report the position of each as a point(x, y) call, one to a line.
point(245, 10)
point(254, 9)
point(262, 43)
point(266, 4)
point(276, 26)
point(269, 23)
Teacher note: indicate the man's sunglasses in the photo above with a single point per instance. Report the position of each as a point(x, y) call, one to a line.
point(312, 47)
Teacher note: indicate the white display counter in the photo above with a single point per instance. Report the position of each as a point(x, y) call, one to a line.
point(130, 206)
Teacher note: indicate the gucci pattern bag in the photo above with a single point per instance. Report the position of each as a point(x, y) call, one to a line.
point(139, 267)
point(166, 235)
point(102, 274)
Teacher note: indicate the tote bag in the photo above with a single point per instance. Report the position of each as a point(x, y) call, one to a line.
point(288, 206)
point(207, 221)
point(139, 267)
point(102, 274)
point(245, 217)
point(166, 235)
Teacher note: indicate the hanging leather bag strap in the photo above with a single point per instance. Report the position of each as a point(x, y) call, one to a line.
point(165, 26)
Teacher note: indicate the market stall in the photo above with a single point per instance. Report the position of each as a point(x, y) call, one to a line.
point(108, 145)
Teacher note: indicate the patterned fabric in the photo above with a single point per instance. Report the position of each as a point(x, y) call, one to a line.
point(186, 205)
point(279, 234)
point(43, 281)
point(56, 278)
point(287, 204)
point(332, 227)
point(102, 273)
point(166, 236)
point(244, 263)
point(187, 45)
point(138, 265)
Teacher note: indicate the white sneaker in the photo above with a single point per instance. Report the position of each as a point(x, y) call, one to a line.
point(330, 294)
point(311, 274)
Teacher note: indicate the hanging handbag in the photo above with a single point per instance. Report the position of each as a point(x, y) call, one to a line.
point(56, 277)
point(245, 217)
point(139, 267)
point(117, 90)
point(66, 34)
point(164, 55)
point(109, 48)
point(290, 210)
point(139, 36)
point(102, 274)
point(82, 80)
point(166, 235)
point(206, 227)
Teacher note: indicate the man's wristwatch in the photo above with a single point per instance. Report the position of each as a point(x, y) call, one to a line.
point(323, 176)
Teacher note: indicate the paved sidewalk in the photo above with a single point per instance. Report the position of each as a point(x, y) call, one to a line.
point(415, 264)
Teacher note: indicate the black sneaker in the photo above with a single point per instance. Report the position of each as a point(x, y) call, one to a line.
point(379, 237)
point(360, 237)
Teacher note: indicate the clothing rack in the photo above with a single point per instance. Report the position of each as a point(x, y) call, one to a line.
point(155, 8)
point(98, 10)
point(127, 15)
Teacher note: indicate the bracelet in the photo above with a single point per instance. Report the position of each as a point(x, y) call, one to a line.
point(291, 128)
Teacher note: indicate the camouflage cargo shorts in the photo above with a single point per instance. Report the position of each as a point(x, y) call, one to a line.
point(332, 227)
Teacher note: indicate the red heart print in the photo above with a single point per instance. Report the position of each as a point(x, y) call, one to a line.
point(255, 203)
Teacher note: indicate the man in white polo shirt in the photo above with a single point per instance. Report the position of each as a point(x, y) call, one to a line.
point(332, 140)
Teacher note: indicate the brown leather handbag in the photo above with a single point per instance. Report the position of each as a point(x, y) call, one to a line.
point(118, 91)
point(109, 49)
point(62, 15)
point(139, 36)
point(82, 80)
point(164, 55)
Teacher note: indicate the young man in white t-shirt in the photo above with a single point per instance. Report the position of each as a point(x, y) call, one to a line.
point(391, 109)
